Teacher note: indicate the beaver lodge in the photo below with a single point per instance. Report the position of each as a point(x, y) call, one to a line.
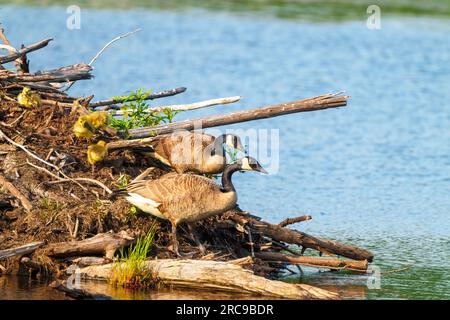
point(62, 206)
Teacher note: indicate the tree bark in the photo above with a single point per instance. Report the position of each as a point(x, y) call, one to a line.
point(312, 104)
point(217, 276)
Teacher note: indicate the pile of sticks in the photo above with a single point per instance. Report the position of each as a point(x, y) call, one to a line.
point(266, 242)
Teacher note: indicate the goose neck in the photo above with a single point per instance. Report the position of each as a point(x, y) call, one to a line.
point(227, 184)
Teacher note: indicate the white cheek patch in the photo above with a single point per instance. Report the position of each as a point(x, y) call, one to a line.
point(245, 165)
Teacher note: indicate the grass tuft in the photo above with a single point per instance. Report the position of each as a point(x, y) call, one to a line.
point(131, 271)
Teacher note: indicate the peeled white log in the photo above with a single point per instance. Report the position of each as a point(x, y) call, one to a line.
point(190, 106)
point(216, 276)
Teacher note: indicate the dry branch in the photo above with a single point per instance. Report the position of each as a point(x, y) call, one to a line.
point(16, 193)
point(76, 72)
point(20, 251)
point(103, 243)
point(329, 263)
point(311, 104)
point(278, 233)
point(110, 104)
point(289, 221)
point(217, 276)
point(25, 50)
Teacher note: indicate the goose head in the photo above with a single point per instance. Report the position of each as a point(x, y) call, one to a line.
point(250, 164)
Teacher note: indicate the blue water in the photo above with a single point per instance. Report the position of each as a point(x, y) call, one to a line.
point(374, 174)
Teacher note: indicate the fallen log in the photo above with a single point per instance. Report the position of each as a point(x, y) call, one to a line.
point(329, 263)
point(217, 276)
point(278, 233)
point(311, 104)
point(101, 244)
point(110, 104)
point(190, 106)
point(20, 251)
point(25, 50)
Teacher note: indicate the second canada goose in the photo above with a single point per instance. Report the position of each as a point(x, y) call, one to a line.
point(196, 152)
point(187, 197)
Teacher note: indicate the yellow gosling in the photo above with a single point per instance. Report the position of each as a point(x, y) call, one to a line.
point(28, 98)
point(83, 128)
point(99, 119)
point(97, 152)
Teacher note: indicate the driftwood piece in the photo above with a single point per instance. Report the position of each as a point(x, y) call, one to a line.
point(290, 221)
point(101, 244)
point(300, 238)
point(110, 104)
point(16, 193)
point(190, 106)
point(25, 50)
point(20, 251)
point(78, 294)
point(329, 263)
point(217, 276)
point(311, 104)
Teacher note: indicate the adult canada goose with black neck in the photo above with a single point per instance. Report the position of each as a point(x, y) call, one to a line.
point(187, 197)
point(196, 152)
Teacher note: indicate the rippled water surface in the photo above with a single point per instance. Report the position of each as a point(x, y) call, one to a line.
point(374, 174)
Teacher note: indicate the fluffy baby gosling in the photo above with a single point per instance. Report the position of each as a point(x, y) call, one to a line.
point(28, 98)
point(97, 152)
point(83, 128)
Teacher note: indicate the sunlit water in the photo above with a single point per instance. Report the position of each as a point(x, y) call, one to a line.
point(374, 174)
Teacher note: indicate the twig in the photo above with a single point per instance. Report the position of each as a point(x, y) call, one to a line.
point(4, 136)
point(110, 43)
point(60, 180)
point(16, 193)
point(103, 49)
point(191, 106)
point(98, 183)
point(289, 221)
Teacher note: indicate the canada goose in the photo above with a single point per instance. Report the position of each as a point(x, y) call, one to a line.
point(194, 151)
point(29, 98)
point(97, 152)
point(187, 197)
point(83, 128)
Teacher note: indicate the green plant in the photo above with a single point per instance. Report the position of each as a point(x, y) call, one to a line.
point(130, 270)
point(232, 154)
point(136, 113)
point(50, 209)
